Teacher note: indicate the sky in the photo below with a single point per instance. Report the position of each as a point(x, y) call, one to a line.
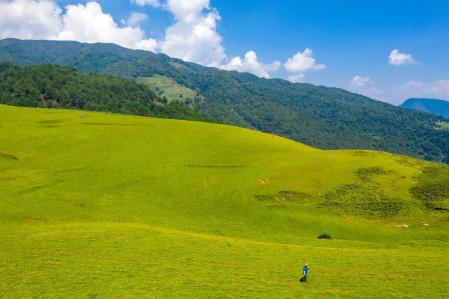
point(387, 50)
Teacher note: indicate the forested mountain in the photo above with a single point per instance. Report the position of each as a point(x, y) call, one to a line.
point(63, 87)
point(323, 117)
point(434, 106)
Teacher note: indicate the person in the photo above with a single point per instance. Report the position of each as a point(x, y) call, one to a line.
point(305, 272)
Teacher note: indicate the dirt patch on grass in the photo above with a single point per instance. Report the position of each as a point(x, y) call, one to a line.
point(263, 181)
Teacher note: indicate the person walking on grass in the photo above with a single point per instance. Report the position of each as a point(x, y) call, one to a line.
point(305, 272)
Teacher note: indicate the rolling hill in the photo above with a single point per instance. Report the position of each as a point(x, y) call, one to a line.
point(63, 87)
point(327, 118)
point(100, 205)
point(433, 106)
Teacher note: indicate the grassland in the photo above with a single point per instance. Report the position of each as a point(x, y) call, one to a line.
point(442, 125)
point(167, 87)
point(98, 205)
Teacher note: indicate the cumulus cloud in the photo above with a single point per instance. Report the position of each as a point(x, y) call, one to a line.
point(397, 58)
point(154, 3)
point(193, 36)
point(365, 86)
point(301, 63)
point(88, 23)
point(28, 19)
point(251, 64)
point(136, 18)
point(43, 19)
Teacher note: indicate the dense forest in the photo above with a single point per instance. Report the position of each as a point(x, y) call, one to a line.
point(328, 118)
point(63, 87)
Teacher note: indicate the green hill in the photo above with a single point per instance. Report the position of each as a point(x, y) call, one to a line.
point(436, 107)
point(322, 117)
point(63, 87)
point(100, 205)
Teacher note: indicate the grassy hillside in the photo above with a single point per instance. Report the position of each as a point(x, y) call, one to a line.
point(322, 117)
point(63, 87)
point(102, 205)
point(168, 88)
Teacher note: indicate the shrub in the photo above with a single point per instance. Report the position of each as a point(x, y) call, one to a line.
point(325, 236)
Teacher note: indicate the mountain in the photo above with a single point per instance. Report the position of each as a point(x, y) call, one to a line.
point(327, 118)
point(101, 205)
point(63, 87)
point(436, 107)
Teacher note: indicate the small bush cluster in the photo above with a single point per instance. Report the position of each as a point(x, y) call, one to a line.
point(324, 236)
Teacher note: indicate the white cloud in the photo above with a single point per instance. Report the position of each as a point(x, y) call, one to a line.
point(88, 23)
point(43, 19)
point(360, 81)
point(193, 36)
point(365, 86)
point(397, 58)
point(251, 64)
point(419, 89)
point(301, 63)
point(136, 18)
point(154, 3)
point(28, 19)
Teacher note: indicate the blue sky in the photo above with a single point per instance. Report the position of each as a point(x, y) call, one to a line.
point(349, 41)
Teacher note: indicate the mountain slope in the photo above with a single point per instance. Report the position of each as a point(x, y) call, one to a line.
point(103, 205)
point(63, 87)
point(323, 117)
point(436, 107)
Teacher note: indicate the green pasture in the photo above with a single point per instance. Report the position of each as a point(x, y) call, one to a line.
point(165, 86)
point(97, 205)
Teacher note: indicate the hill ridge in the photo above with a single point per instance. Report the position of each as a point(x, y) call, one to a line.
point(323, 117)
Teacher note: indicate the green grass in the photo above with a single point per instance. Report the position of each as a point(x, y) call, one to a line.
point(442, 125)
point(102, 205)
point(165, 86)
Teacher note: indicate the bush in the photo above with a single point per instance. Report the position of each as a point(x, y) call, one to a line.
point(325, 236)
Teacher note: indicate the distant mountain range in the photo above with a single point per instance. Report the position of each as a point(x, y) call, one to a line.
point(434, 106)
point(323, 117)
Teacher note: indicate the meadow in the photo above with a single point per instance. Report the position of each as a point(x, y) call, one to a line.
point(168, 88)
point(98, 205)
